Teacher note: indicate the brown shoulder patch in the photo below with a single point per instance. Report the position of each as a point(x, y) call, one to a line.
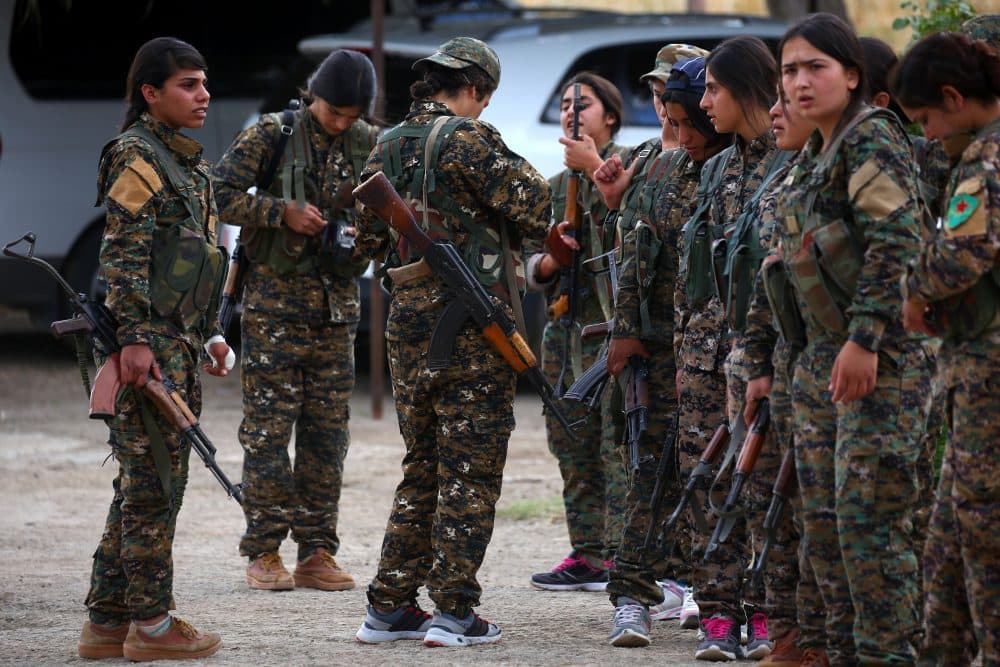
point(135, 185)
point(875, 192)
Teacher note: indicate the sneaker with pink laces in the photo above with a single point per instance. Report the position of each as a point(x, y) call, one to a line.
point(573, 574)
point(722, 639)
point(758, 643)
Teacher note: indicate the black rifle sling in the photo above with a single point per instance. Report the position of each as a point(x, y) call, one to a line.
point(287, 125)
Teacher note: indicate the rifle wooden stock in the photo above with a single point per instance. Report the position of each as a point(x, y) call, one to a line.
point(785, 482)
point(378, 194)
point(755, 439)
point(719, 441)
point(514, 350)
point(104, 392)
point(601, 329)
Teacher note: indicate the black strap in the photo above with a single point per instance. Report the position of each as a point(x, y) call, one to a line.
point(286, 129)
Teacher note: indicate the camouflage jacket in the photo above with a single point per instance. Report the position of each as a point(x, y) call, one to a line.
point(968, 243)
point(138, 196)
point(595, 296)
point(486, 179)
point(872, 187)
point(701, 336)
point(674, 201)
point(320, 294)
point(934, 168)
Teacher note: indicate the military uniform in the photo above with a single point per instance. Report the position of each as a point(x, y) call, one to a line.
point(856, 212)
point(655, 207)
point(957, 272)
point(455, 422)
point(300, 315)
point(592, 470)
point(154, 232)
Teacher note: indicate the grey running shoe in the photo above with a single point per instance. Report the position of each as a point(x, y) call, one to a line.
point(631, 624)
point(758, 643)
point(409, 622)
point(573, 574)
point(722, 639)
point(448, 630)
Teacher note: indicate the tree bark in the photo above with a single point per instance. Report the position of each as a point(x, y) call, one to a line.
point(790, 10)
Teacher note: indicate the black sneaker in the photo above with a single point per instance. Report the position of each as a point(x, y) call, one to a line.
point(409, 622)
point(448, 630)
point(573, 574)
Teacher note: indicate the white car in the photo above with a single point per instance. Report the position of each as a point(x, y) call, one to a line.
point(538, 51)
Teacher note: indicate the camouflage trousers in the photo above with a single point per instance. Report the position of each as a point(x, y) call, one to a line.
point(962, 555)
point(295, 375)
point(455, 424)
point(636, 570)
point(926, 473)
point(591, 466)
point(718, 583)
point(856, 466)
point(132, 576)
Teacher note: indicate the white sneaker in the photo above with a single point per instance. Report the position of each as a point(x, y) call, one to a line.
point(673, 601)
point(689, 611)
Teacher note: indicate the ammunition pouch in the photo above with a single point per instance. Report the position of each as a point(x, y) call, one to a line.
point(825, 270)
point(784, 307)
point(187, 277)
point(284, 250)
point(647, 253)
point(699, 237)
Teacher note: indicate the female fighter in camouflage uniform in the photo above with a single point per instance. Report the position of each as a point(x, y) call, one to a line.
point(850, 226)
point(160, 233)
point(950, 85)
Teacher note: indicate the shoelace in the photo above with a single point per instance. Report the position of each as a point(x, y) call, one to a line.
point(417, 611)
point(185, 628)
point(568, 561)
point(270, 561)
point(326, 558)
point(630, 614)
point(718, 627)
point(758, 626)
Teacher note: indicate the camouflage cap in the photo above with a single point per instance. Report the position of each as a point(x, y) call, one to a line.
point(670, 55)
point(460, 52)
point(985, 27)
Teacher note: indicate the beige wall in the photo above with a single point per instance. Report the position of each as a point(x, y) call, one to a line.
point(875, 19)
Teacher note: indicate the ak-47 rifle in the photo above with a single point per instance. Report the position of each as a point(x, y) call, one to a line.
point(698, 478)
point(636, 407)
point(470, 299)
point(728, 513)
point(233, 289)
point(93, 318)
point(784, 487)
point(564, 309)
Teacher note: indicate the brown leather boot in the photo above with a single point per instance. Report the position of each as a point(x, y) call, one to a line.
point(100, 641)
point(785, 653)
point(815, 657)
point(321, 571)
point(266, 572)
point(181, 642)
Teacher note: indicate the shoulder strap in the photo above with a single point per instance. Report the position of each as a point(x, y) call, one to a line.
point(287, 129)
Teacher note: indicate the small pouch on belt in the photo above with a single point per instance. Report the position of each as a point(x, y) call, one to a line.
point(402, 275)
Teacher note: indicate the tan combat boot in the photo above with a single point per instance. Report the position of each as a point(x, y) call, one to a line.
point(321, 571)
point(266, 572)
point(815, 657)
point(786, 653)
point(181, 642)
point(100, 641)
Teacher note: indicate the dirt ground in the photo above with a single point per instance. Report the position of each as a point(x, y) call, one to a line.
point(55, 495)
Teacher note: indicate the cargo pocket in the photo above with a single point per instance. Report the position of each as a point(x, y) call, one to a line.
point(178, 261)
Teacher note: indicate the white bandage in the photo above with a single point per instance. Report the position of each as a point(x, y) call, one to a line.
point(230, 356)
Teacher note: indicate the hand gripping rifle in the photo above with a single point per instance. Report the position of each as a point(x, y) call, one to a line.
point(784, 487)
point(564, 309)
point(93, 318)
point(470, 299)
point(699, 477)
point(729, 513)
point(232, 291)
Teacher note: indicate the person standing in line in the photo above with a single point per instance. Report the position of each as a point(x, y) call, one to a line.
point(593, 474)
point(950, 85)
point(455, 421)
point(851, 226)
point(164, 278)
point(300, 314)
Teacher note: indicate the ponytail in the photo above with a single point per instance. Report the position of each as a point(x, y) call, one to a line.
point(972, 67)
point(155, 62)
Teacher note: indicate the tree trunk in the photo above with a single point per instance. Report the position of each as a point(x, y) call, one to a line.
point(790, 10)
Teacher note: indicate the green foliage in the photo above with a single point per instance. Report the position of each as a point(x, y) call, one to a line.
point(933, 16)
point(529, 509)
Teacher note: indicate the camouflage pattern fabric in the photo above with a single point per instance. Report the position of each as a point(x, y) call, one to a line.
point(635, 572)
point(455, 422)
point(297, 348)
point(960, 561)
point(985, 27)
point(132, 576)
point(856, 462)
point(592, 471)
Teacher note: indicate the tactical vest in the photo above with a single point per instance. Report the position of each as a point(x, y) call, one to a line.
point(826, 261)
point(736, 257)
point(285, 250)
point(486, 247)
point(187, 273)
point(698, 233)
point(649, 178)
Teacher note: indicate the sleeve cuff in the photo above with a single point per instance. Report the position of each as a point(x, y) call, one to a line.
point(132, 336)
point(533, 283)
point(866, 331)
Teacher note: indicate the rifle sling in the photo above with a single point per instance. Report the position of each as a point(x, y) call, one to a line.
point(157, 447)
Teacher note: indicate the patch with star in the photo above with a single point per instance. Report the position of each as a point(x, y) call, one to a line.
point(967, 210)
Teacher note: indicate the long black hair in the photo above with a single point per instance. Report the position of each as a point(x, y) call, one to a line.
point(971, 67)
point(156, 61)
point(438, 78)
point(608, 94)
point(745, 67)
point(685, 86)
